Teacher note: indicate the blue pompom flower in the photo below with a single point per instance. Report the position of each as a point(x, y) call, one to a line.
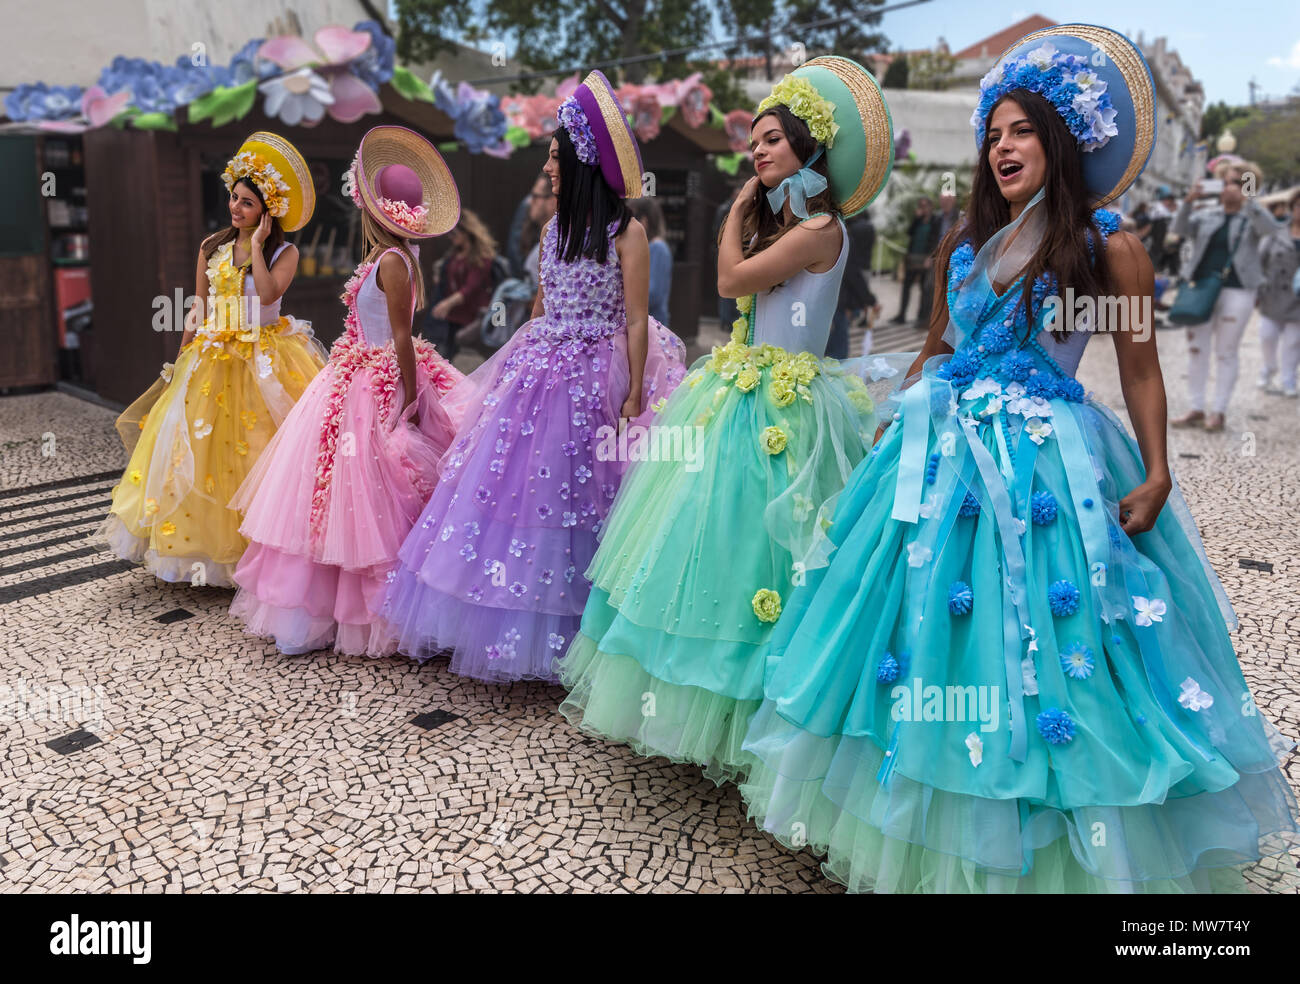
point(1070, 389)
point(1056, 727)
point(960, 598)
point(1042, 507)
point(1041, 384)
point(1077, 661)
point(970, 505)
point(1016, 365)
point(1063, 597)
point(997, 338)
point(887, 669)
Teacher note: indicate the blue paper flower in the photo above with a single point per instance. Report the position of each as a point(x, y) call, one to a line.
point(960, 598)
point(1107, 221)
point(1041, 384)
point(43, 102)
point(1063, 597)
point(1042, 507)
point(374, 66)
point(1016, 365)
point(1077, 661)
point(997, 338)
point(959, 264)
point(963, 367)
point(887, 669)
point(1056, 727)
point(970, 505)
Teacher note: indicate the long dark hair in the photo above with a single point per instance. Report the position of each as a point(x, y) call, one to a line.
point(273, 240)
point(762, 227)
point(1066, 200)
point(586, 207)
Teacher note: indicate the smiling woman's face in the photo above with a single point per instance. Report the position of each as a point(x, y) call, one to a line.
point(245, 209)
point(774, 158)
point(1015, 153)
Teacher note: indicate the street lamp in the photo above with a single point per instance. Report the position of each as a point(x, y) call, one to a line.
point(1226, 143)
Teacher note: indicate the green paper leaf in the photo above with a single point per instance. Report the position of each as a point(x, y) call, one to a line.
point(668, 113)
point(517, 136)
point(448, 146)
point(154, 121)
point(223, 104)
point(410, 86)
point(119, 121)
point(729, 163)
point(716, 116)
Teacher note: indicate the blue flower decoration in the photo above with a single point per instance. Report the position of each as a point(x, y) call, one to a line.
point(1016, 365)
point(970, 506)
point(997, 338)
point(374, 66)
point(1077, 661)
point(887, 669)
point(1041, 384)
point(963, 367)
point(1070, 389)
point(1107, 221)
point(1066, 81)
point(1056, 727)
point(43, 102)
point(960, 598)
point(960, 262)
point(1042, 507)
point(1063, 597)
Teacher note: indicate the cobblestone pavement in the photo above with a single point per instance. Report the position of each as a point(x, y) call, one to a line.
point(180, 754)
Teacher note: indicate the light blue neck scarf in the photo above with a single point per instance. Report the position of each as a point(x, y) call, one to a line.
point(800, 186)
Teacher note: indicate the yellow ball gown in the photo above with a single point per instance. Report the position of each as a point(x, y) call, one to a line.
point(194, 434)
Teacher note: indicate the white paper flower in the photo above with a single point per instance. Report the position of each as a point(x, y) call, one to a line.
point(166, 371)
point(1041, 57)
point(297, 97)
point(1148, 610)
point(201, 429)
point(1014, 391)
point(1020, 525)
point(1029, 676)
point(917, 555)
point(1193, 697)
point(976, 747)
point(263, 363)
point(1038, 429)
point(881, 369)
point(926, 509)
point(984, 386)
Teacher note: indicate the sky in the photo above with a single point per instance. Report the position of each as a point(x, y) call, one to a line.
point(1223, 44)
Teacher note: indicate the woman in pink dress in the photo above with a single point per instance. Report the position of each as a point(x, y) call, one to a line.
point(334, 495)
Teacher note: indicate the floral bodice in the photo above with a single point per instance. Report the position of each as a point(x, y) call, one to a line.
point(999, 365)
point(583, 299)
point(227, 281)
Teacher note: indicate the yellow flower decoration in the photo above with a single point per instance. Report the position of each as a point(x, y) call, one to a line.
point(774, 440)
point(766, 605)
point(167, 528)
point(210, 484)
point(747, 379)
point(220, 399)
point(659, 404)
point(782, 393)
point(241, 447)
point(745, 304)
point(802, 98)
point(136, 477)
point(249, 418)
point(275, 190)
point(206, 388)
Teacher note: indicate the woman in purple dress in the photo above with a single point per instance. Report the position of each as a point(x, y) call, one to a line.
point(494, 568)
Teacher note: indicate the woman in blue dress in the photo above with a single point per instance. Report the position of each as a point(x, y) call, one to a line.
point(1015, 674)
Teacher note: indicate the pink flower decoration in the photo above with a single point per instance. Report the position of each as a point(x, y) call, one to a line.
point(736, 127)
point(335, 47)
point(693, 100)
point(646, 113)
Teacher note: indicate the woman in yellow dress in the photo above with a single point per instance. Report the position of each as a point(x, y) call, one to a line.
point(194, 435)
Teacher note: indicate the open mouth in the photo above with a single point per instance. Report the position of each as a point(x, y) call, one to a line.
point(1009, 169)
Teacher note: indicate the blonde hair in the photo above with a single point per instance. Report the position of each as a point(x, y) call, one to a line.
point(376, 236)
point(1222, 169)
point(482, 247)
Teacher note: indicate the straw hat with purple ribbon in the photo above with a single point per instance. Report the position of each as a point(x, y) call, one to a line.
point(600, 133)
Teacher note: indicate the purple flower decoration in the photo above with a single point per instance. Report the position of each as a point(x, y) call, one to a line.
point(575, 122)
point(546, 576)
point(569, 448)
point(482, 494)
point(555, 640)
point(518, 589)
point(544, 511)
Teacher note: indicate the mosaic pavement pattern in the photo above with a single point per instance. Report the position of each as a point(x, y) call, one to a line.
point(161, 750)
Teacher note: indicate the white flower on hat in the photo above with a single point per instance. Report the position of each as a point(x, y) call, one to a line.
point(1042, 56)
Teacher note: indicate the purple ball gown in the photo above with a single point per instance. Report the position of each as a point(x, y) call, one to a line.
point(493, 570)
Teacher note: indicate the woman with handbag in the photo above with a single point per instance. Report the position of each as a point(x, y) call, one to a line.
point(1279, 305)
point(1220, 278)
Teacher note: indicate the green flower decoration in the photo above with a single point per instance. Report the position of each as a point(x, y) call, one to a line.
point(767, 605)
point(801, 98)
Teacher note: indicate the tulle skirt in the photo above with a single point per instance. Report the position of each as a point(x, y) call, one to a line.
point(493, 569)
point(193, 439)
point(943, 713)
point(320, 552)
point(706, 541)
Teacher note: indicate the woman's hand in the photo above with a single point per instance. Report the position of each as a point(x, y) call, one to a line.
point(261, 232)
point(443, 307)
point(631, 406)
point(1139, 509)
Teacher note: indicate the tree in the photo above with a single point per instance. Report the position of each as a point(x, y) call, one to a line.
point(1270, 136)
point(896, 75)
point(1217, 116)
point(930, 69)
point(543, 37)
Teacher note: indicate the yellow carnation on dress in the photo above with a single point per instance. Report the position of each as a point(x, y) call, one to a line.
point(747, 379)
point(774, 440)
point(766, 605)
point(136, 477)
point(745, 304)
point(167, 528)
point(781, 392)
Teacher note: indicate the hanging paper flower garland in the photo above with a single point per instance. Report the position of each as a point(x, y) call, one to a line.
point(319, 79)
